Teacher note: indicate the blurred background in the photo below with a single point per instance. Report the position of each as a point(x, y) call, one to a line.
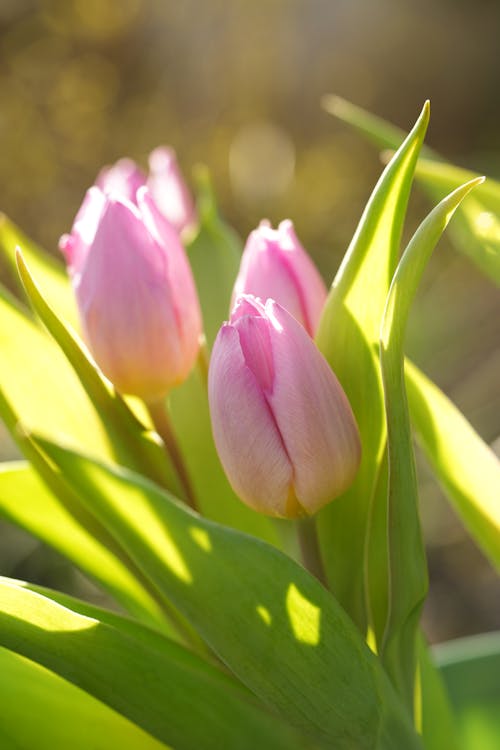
point(237, 85)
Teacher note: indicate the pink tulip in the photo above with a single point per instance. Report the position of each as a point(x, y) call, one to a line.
point(283, 427)
point(169, 189)
point(275, 265)
point(123, 178)
point(135, 291)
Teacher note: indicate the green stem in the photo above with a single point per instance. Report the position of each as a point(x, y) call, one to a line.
point(309, 548)
point(161, 421)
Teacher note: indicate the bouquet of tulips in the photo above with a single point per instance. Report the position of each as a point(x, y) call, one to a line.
point(225, 447)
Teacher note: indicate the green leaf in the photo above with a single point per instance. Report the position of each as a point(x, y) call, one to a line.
point(147, 634)
point(270, 621)
point(39, 710)
point(133, 445)
point(476, 229)
point(26, 501)
point(470, 668)
point(467, 468)
point(215, 254)
point(438, 719)
point(170, 693)
point(58, 406)
point(348, 336)
point(378, 131)
point(45, 267)
point(407, 563)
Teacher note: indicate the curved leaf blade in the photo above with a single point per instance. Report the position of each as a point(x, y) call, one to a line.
point(45, 266)
point(206, 709)
point(476, 229)
point(464, 464)
point(273, 624)
point(27, 502)
point(133, 444)
point(60, 714)
point(348, 337)
point(407, 562)
point(23, 343)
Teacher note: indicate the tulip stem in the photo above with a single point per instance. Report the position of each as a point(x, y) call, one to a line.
point(159, 415)
point(309, 548)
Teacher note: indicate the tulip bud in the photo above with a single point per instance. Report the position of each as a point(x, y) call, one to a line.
point(169, 190)
point(135, 292)
point(275, 265)
point(123, 178)
point(282, 424)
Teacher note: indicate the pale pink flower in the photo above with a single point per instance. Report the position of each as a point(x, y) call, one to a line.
point(169, 189)
point(135, 291)
point(282, 424)
point(276, 266)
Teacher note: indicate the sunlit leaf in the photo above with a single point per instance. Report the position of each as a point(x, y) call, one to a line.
point(407, 562)
point(132, 443)
point(45, 266)
point(476, 229)
point(348, 336)
point(467, 468)
point(273, 624)
point(26, 501)
point(171, 693)
point(39, 710)
point(58, 406)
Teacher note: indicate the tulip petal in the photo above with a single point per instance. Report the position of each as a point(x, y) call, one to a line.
point(126, 305)
point(180, 277)
point(265, 274)
point(245, 433)
point(75, 246)
point(276, 266)
point(312, 412)
point(169, 190)
point(123, 178)
point(255, 344)
point(307, 277)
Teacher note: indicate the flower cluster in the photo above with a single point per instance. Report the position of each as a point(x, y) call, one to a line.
point(282, 424)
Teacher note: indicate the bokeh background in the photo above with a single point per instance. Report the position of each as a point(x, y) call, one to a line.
point(237, 85)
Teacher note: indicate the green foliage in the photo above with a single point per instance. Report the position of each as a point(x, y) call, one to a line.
point(60, 714)
point(44, 266)
point(228, 642)
point(476, 230)
point(74, 532)
point(207, 708)
point(348, 336)
point(407, 565)
point(465, 465)
point(269, 620)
